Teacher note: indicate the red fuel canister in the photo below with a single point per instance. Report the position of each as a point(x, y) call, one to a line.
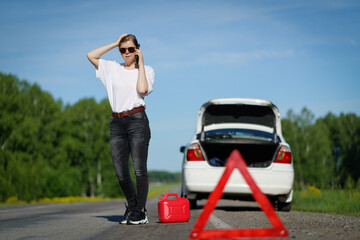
point(173, 210)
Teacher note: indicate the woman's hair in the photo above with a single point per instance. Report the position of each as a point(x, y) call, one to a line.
point(129, 37)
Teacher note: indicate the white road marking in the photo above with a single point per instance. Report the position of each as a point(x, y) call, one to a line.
point(218, 223)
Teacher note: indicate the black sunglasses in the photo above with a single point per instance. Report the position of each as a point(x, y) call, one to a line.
point(130, 49)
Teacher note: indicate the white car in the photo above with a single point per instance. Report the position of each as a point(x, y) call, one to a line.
point(253, 127)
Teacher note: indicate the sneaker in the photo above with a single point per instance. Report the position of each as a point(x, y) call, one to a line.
point(126, 215)
point(137, 217)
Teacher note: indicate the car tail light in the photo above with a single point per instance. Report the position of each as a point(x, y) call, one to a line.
point(194, 153)
point(284, 155)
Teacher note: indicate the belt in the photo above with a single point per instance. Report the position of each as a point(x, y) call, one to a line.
point(128, 113)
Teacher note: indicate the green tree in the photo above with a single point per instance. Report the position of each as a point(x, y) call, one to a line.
point(294, 136)
point(311, 146)
point(48, 149)
point(320, 158)
point(349, 143)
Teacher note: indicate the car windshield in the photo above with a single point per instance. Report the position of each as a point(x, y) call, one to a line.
point(238, 133)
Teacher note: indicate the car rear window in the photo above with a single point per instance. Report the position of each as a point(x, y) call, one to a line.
point(238, 133)
point(261, 115)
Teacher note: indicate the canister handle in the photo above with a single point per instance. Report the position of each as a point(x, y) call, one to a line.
point(165, 196)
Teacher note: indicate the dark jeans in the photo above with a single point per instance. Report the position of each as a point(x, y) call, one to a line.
point(131, 135)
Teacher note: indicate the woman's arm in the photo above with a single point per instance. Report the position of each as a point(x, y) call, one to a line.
point(95, 55)
point(142, 83)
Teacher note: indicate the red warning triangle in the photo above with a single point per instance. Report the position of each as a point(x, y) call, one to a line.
point(236, 161)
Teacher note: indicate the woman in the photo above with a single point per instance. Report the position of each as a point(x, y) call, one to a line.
point(127, 85)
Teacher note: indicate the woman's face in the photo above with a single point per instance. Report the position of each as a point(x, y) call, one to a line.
point(129, 54)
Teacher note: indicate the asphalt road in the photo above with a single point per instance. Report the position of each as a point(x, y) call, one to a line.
point(99, 220)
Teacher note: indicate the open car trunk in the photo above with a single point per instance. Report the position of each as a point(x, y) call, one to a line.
point(255, 154)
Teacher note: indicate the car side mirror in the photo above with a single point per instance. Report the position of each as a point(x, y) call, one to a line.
point(182, 149)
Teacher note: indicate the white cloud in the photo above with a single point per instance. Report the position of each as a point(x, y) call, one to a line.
point(223, 58)
point(239, 58)
point(352, 41)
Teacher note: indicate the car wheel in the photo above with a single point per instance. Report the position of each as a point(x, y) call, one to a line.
point(281, 206)
point(193, 203)
point(284, 206)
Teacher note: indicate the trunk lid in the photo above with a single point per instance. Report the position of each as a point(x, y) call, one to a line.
point(239, 110)
point(250, 125)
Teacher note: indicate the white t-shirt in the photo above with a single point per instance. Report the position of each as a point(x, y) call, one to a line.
point(120, 85)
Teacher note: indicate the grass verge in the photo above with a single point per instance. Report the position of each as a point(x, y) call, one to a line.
point(154, 190)
point(157, 189)
point(311, 199)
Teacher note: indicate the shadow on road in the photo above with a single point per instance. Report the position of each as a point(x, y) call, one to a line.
point(113, 218)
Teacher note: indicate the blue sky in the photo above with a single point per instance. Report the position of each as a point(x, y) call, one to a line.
point(294, 53)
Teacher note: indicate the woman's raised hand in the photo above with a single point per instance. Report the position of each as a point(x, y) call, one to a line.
point(117, 42)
